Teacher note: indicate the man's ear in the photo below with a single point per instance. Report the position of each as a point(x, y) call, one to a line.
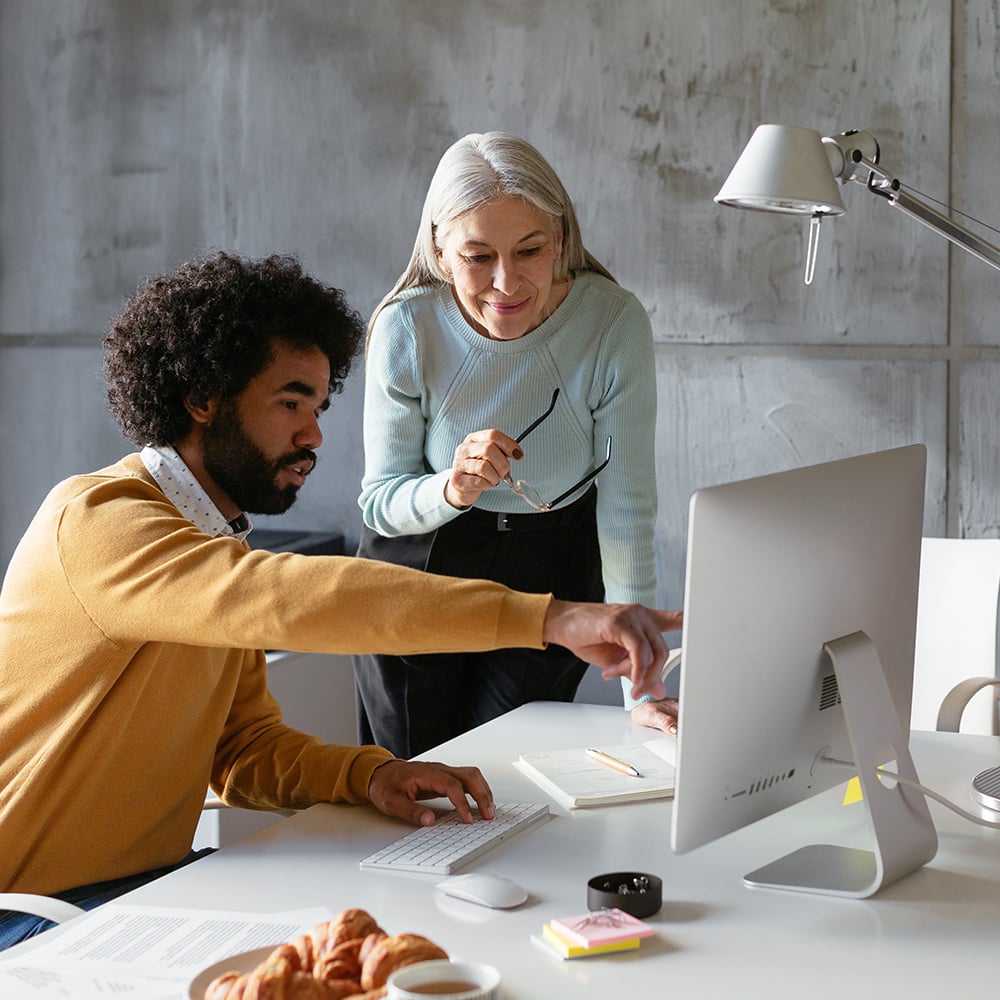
point(202, 412)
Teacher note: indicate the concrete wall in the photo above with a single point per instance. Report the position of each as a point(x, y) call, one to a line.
point(139, 132)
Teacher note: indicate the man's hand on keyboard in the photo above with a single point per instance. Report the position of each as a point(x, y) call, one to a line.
point(625, 640)
point(397, 786)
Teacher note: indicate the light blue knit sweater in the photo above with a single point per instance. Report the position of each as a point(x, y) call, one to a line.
point(431, 379)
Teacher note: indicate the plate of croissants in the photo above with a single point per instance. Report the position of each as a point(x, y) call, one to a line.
point(350, 956)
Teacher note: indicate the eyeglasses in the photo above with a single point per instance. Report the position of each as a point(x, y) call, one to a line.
point(527, 492)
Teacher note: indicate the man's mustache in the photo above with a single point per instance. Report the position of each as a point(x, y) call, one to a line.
point(296, 457)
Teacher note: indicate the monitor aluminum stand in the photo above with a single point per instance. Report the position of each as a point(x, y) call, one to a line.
point(904, 834)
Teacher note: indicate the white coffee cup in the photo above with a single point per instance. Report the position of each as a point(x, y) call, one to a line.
point(455, 979)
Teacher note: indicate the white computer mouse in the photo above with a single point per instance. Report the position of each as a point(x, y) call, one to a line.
point(486, 890)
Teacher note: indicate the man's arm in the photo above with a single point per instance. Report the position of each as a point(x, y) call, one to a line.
point(622, 639)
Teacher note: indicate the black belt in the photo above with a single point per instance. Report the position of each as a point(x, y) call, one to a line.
point(543, 520)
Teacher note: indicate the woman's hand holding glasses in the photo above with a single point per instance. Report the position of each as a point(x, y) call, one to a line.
point(481, 462)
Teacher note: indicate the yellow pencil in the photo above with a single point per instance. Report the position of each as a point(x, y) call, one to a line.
point(614, 763)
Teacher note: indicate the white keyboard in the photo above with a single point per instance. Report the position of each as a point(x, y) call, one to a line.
point(450, 844)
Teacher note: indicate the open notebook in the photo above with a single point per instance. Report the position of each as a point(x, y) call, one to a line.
point(576, 780)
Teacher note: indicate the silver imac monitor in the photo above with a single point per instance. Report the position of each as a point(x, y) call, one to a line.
point(799, 624)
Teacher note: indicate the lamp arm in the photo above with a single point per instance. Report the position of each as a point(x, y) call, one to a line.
point(946, 227)
point(880, 182)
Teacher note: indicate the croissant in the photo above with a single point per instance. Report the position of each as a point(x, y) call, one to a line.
point(346, 926)
point(265, 983)
point(294, 956)
point(340, 963)
point(349, 956)
point(393, 952)
point(369, 943)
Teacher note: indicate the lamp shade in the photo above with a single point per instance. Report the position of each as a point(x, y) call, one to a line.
point(783, 169)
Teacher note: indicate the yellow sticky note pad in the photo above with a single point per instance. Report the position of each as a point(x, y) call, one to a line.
point(568, 949)
point(853, 793)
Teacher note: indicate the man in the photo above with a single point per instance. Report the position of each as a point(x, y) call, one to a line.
point(133, 616)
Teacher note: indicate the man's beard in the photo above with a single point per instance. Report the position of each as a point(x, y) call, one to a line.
point(242, 470)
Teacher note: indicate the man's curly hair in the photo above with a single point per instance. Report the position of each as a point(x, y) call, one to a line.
point(205, 330)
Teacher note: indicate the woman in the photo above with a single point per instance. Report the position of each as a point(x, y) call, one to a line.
point(504, 340)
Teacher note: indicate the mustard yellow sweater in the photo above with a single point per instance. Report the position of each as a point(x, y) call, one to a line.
point(132, 674)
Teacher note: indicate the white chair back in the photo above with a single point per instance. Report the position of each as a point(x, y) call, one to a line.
point(956, 629)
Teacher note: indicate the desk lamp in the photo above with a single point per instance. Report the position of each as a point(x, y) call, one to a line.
point(796, 171)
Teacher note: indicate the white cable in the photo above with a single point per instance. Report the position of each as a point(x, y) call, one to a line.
point(929, 792)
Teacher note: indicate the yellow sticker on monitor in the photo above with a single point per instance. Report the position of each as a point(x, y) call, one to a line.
point(853, 792)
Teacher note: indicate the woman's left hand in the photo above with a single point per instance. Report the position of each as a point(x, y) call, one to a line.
point(660, 714)
point(480, 462)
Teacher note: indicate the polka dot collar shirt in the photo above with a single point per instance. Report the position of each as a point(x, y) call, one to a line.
point(187, 494)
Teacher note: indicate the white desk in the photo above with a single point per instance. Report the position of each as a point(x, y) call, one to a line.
point(933, 933)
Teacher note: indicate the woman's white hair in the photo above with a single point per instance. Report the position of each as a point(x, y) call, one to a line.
point(477, 169)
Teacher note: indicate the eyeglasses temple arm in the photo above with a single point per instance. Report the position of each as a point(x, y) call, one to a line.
point(534, 424)
point(586, 479)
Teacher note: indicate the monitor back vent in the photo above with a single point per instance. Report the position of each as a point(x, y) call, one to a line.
point(763, 784)
point(829, 693)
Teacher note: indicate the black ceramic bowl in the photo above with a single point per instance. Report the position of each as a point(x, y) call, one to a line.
point(637, 893)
